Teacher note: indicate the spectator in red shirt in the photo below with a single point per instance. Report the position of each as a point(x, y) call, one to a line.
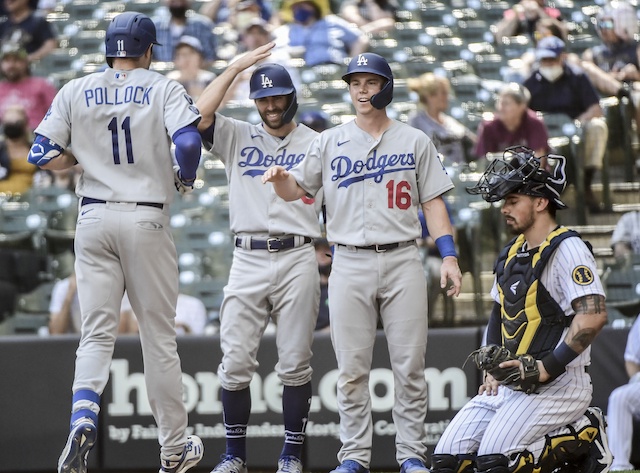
point(18, 87)
point(513, 124)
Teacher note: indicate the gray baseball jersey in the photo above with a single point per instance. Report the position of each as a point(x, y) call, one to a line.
point(372, 188)
point(247, 151)
point(513, 421)
point(282, 286)
point(112, 120)
point(376, 183)
point(119, 124)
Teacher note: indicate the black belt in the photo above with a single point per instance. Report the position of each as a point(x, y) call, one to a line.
point(272, 244)
point(380, 248)
point(89, 200)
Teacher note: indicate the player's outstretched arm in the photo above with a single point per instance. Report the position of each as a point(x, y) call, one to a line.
point(210, 99)
point(284, 183)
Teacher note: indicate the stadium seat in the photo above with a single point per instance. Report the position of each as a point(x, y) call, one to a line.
point(20, 225)
point(622, 285)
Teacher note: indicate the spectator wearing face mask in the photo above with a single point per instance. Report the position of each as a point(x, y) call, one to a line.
point(319, 37)
point(170, 28)
point(16, 173)
point(559, 87)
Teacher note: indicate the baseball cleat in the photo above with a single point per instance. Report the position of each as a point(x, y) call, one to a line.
point(230, 464)
point(413, 465)
point(190, 456)
point(82, 437)
point(289, 464)
point(600, 457)
point(350, 466)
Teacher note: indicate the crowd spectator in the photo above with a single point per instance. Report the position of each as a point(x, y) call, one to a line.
point(189, 69)
point(523, 18)
point(64, 310)
point(371, 16)
point(624, 404)
point(559, 87)
point(24, 25)
point(257, 33)
point(191, 315)
point(16, 173)
point(625, 239)
point(170, 28)
point(513, 124)
point(614, 65)
point(236, 12)
point(317, 120)
point(19, 87)
point(452, 139)
point(320, 38)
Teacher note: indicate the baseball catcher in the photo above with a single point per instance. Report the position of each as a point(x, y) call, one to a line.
point(532, 413)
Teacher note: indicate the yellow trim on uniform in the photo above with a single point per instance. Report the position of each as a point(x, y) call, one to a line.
point(546, 243)
point(527, 330)
point(514, 249)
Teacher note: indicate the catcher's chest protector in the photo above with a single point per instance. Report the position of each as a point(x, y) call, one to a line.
point(532, 321)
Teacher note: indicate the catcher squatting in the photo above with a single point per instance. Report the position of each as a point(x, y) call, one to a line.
point(532, 414)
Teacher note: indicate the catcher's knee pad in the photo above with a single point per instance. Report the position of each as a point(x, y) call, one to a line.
point(444, 463)
point(494, 463)
point(568, 447)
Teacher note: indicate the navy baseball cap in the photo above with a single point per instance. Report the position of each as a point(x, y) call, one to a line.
point(549, 47)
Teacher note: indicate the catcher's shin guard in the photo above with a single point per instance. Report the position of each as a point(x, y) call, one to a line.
point(494, 463)
point(445, 463)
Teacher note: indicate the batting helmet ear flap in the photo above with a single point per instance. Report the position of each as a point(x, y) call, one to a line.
point(269, 80)
point(373, 64)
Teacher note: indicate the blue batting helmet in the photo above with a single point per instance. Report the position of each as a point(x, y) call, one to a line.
point(273, 79)
point(374, 64)
point(129, 35)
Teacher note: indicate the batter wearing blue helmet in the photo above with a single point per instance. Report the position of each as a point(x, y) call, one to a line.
point(121, 122)
point(274, 275)
point(375, 173)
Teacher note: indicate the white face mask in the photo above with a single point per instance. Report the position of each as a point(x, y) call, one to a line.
point(551, 73)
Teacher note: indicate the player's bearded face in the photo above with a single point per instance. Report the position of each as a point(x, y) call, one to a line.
point(271, 110)
point(519, 213)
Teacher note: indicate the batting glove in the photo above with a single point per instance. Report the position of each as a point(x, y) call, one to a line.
point(182, 185)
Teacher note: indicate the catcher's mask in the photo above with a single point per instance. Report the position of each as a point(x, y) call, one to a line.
point(519, 172)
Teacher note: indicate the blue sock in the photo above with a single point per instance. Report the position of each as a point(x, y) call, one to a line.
point(237, 409)
point(85, 403)
point(296, 401)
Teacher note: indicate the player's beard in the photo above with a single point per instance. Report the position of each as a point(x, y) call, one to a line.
point(274, 124)
point(522, 224)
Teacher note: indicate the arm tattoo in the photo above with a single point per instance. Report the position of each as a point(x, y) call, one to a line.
point(592, 304)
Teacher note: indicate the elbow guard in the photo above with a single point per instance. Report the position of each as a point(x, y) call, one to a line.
point(188, 151)
point(43, 150)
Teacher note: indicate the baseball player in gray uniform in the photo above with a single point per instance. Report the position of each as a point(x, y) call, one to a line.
point(374, 172)
point(274, 274)
point(121, 123)
point(549, 303)
point(624, 404)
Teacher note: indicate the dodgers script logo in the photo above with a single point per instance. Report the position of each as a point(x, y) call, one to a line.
point(258, 161)
point(266, 82)
point(375, 167)
point(362, 61)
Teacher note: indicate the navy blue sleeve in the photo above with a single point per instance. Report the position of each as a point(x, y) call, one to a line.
point(493, 327)
point(188, 151)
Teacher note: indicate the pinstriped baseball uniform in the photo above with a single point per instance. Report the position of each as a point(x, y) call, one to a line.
point(624, 406)
point(513, 421)
point(371, 190)
point(119, 124)
point(284, 285)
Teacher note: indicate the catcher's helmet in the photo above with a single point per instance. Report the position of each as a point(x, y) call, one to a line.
point(273, 79)
point(374, 64)
point(129, 35)
point(624, 17)
point(519, 172)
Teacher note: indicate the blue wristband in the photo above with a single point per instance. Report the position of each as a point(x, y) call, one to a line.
point(556, 361)
point(446, 247)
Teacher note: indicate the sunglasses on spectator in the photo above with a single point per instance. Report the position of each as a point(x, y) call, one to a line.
point(606, 25)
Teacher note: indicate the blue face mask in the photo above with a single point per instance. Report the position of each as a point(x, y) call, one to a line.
point(302, 15)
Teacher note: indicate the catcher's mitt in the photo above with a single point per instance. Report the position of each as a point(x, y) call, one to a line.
point(489, 357)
